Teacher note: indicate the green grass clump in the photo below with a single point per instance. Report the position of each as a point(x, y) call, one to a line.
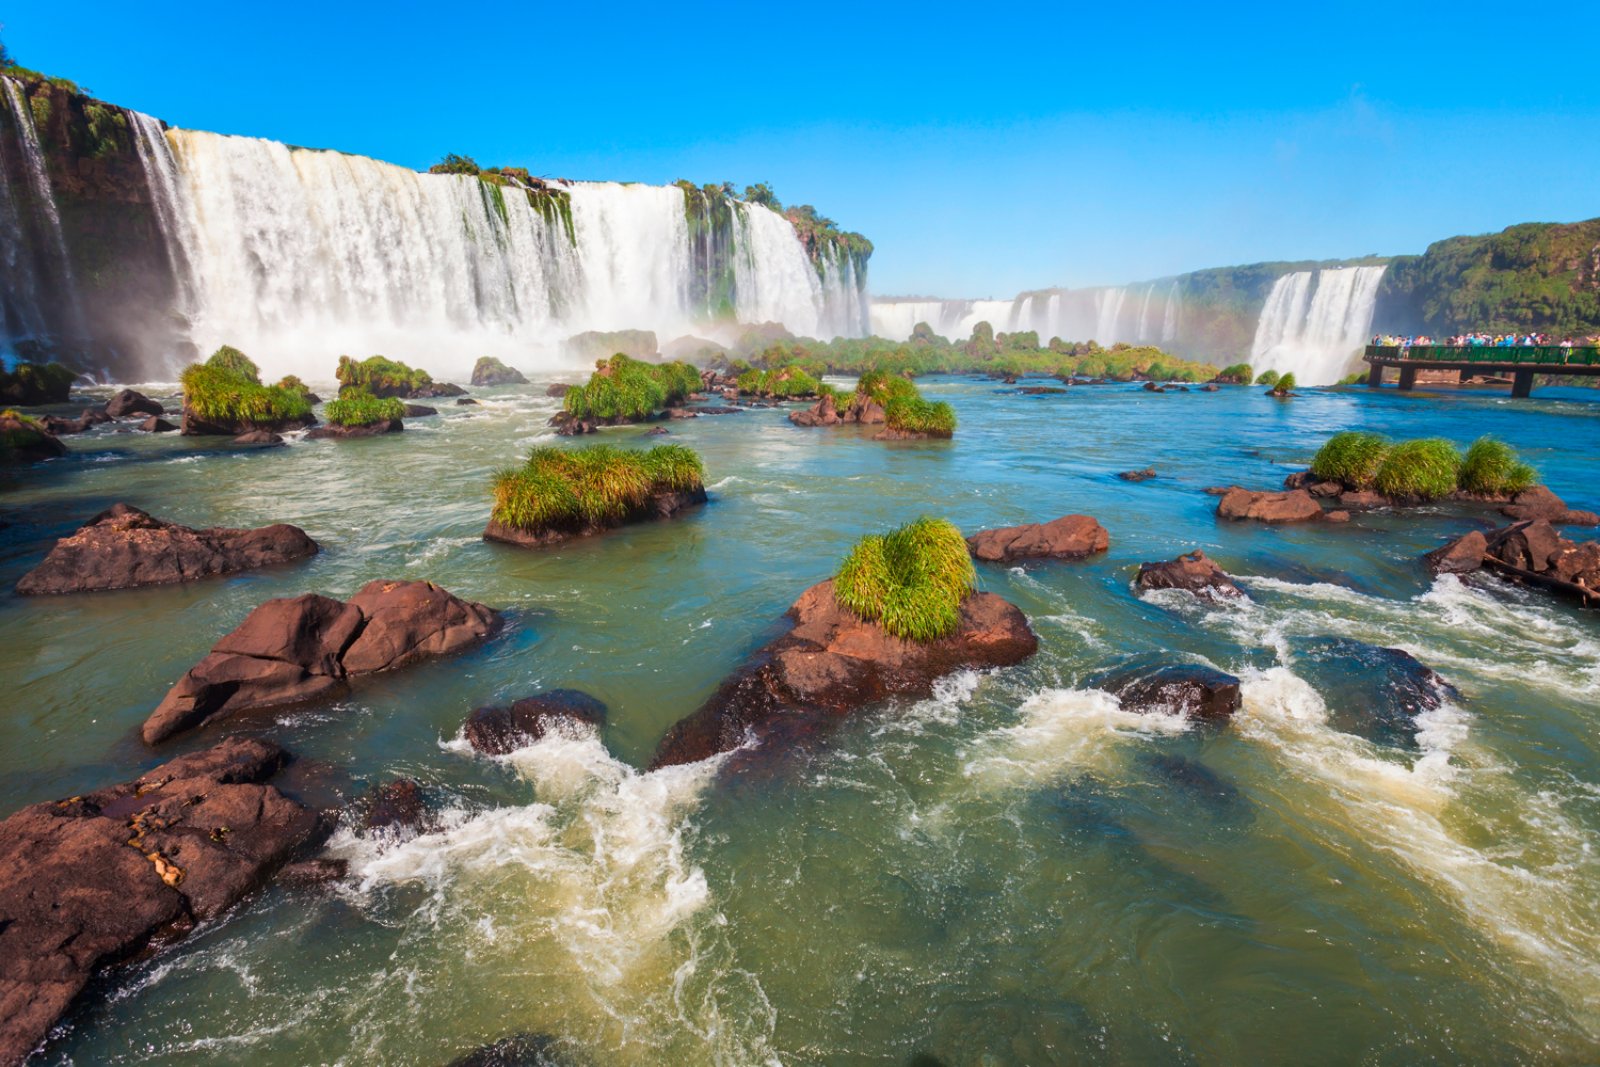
point(1238, 372)
point(1426, 469)
point(1286, 383)
point(1268, 377)
point(626, 389)
point(911, 581)
point(293, 384)
point(1493, 469)
point(782, 383)
point(916, 415)
point(595, 485)
point(380, 376)
point(357, 407)
point(226, 389)
point(1352, 458)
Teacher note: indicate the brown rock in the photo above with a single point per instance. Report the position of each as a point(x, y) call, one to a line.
point(195, 426)
point(1138, 476)
point(558, 390)
point(496, 731)
point(1295, 505)
point(1461, 556)
point(1069, 537)
point(1337, 516)
point(27, 442)
point(258, 439)
point(312, 872)
point(156, 424)
point(372, 429)
point(833, 662)
point(1297, 480)
point(128, 402)
point(1196, 691)
point(396, 806)
point(823, 413)
point(1363, 498)
point(1530, 546)
point(419, 411)
point(298, 649)
point(1194, 572)
point(1540, 503)
point(1325, 489)
point(90, 881)
point(124, 547)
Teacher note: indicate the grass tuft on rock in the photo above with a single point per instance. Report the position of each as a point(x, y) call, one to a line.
point(910, 581)
point(1352, 458)
point(1492, 468)
point(357, 407)
point(1267, 377)
point(789, 382)
point(1425, 469)
point(595, 485)
point(227, 389)
point(1286, 384)
point(624, 389)
point(381, 377)
point(904, 408)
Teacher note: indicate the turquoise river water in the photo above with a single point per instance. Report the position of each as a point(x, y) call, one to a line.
point(1016, 871)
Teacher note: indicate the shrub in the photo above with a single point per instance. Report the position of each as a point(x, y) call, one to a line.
point(226, 389)
point(455, 164)
point(357, 407)
point(1286, 384)
point(1493, 469)
point(911, 581)
point(36, 383)
point(293, 384)
point(380, 376)
point(1239, 372)
point(1268, 377)
point(626, 390)
point(596, 485)
point(1427, 469)
point(788, 382)
point(1352, 458)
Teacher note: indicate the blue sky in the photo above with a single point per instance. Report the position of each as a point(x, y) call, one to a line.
point(984, 151)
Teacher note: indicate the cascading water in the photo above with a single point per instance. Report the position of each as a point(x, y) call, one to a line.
point(161, 173)
point(1144, 314)
point(1314, 323)
point(56, 281)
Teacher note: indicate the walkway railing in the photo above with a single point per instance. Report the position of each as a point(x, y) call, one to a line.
point(1544, 355)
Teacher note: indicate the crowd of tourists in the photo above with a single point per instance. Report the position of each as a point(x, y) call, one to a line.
point(1478, 340)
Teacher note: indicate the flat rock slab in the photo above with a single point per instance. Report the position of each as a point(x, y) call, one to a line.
point(1193, 572)
point(90, 881)
point(833, 661)
point(1296, 505)
point(298, 649)
point(124, 547)
point(1069, 537)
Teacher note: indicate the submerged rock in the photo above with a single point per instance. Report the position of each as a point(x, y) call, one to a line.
point(495, 731)
point(832, 661)
point(396, 806)
point(1194, 572)
point(297, 649)
point(517, 1050)
point(1069, 537)
point(1295, 505)
point(1370, 691)
point(89, 881)
point(1138, 476)
point(1190, 689)
point(490, 371)
point(123, 547)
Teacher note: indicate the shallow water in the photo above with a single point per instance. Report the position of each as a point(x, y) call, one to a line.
point(1016, 871)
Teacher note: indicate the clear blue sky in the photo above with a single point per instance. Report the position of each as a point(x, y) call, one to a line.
point(983, 149)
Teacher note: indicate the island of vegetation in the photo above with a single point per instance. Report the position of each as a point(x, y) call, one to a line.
point(624, 390)
point(29, 384)
point(357, 413)
point(880, 397)
point(562, 493)
point(389, 378)
point(224, 396)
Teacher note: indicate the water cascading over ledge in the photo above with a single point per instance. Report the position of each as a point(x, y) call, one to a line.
point(298, 256)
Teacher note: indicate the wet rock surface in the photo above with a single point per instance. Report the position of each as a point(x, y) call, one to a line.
point(495, 731)
point(1370, 691)
point(1069, 537)
point(90, 881)
point(371, 429)
point(298, 649)
point(130, 402)
point(833, 662)
point(1190, 689)
point(1295, 505)
point(1193, 571)
point(25, 442)
point(124, 547)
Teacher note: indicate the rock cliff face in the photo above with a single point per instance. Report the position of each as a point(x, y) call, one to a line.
point(95, 205)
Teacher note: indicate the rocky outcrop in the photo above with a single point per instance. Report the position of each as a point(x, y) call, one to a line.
point(129, 402)
point(832, 662)
point(419, 411)
point(860, 411)
point(1296, 505)
point(1189, 689)
point(517, 1050)
point(397, 807)
point(662, 505)
point(824, 412)
point(371, 429)
point(304, 648)
point(1540, 503)
point(123, 547)
point(92, 880)
point(1069, 537)
point(490, 371)
point(495, 731)
point(1193, 572)
point(1461, 556)
point(156, 424)
point(557, 390)
point(24, 440)
point(87, 420)
point(194, 425)
point(1530, 551)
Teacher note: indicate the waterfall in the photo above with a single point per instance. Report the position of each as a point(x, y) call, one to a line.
point(1315, 322)
point(32, 289)
point(1109, 304)
point(161, 174)
point(895, 319)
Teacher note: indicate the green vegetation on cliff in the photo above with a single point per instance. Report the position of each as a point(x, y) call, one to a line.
point(36, 383)
point(357, 407)
point(709, 209)
point(226, 389)
point(626, 390)
point(596, 485)
point(911, 581)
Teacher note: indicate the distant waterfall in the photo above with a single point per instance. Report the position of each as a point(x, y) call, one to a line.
point(1139, 314)
point(1314, 322)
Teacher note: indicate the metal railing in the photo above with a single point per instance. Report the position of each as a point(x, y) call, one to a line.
point(1543, 355)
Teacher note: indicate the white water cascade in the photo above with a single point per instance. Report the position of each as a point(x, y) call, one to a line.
point(1147, 313)
point(299, 256)
point(31, 289)
point(1315, 322)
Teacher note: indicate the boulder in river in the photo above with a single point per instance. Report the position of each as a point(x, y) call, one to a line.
point(1540, 503)
point(371, 429)
point(1069, 537)
point(1371, 691)
point(1190, 689)
point(123, 547)
point(396, 806)
point(495, 731)
point(516, 1050)
point(258, 439)
point(1192, 571)
point(156, 424)
point(420, 411)
point(130, 402)
point(26, 440)
point(832, 661)
point(490, 371)
point(1138, 476)
point(92, 880)
point(1295, 505)
point(557, 390)
point(1461, 556)
point(297, 649)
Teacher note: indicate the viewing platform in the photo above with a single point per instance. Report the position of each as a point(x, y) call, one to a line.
point(1517, 362)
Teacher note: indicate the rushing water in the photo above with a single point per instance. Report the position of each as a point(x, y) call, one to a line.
point(1017, 871)
point(1315, 322)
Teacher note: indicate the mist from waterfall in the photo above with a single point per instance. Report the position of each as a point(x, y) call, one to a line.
point(1146, 313)
point(1314, 323)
